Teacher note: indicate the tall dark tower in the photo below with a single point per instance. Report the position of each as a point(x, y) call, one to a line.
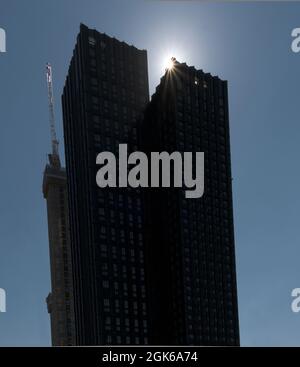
point(60, 300)
point(104, 94)
point(190, 242)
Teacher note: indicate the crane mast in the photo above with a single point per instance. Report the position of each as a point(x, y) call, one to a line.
point(54, 141)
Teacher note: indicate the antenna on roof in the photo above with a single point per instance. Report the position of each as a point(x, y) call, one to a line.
point(54, 157)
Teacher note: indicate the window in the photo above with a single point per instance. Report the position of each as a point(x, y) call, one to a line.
point(95, 100)
point(92, 41)
point(96, 119)
point(94, 81)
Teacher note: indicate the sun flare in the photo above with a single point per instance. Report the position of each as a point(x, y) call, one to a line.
point(170, 64)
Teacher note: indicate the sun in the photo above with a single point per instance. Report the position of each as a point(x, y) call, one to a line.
point(170, 64)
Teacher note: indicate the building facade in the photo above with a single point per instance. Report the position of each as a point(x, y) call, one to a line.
point(60, 300)
point(190, 252)
point(105, 91)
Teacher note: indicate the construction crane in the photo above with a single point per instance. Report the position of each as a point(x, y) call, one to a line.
point(54, 141)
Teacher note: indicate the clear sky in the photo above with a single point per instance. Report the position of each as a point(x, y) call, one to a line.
point(246, 43)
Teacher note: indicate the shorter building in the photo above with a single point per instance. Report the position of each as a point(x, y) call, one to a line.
point(60, 300)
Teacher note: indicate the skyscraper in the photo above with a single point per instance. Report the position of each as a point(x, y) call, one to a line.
point(60, 300)
point(106, 89)
point(149, 265)
point(190, 254)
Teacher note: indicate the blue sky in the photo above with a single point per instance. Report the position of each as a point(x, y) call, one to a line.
point(246, 43)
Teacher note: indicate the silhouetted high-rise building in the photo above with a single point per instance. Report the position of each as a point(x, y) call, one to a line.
point(105, 92)
point(60, 300)
point(190, 242)
point(149, 265)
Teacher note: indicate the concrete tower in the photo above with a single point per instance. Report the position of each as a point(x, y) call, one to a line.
point(60, 300)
